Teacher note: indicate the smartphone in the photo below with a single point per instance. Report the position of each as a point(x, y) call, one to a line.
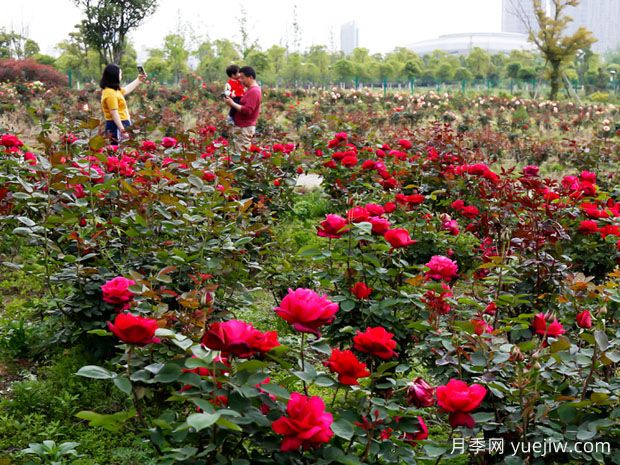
point(141, 70)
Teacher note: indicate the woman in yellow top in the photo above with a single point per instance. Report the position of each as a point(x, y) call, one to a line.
point(113, 102)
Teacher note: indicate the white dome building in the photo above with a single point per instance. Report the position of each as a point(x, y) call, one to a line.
point(462, 44)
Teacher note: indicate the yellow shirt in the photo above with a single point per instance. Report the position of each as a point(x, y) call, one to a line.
point(112, 99)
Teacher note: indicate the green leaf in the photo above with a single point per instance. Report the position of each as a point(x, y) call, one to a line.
point(434, 451)
point(251, 365)
point(613, 356)
point(99, 332)
point(561, 344)
point(324, 381)
point(567, 413)
point(309, 375)
point(169, 373)
point(110, 422)
point(276, 390)
point(123, 384)
point(584, 433)
point(96, 372)
point(200, 421)
point(343, 428)
point(601, 340)
point(96, 143)
point(228, 424)
point(25, 220)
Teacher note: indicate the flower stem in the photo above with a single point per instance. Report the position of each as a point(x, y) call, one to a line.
point(303, 361)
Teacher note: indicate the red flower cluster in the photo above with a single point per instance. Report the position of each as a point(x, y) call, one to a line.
point(584, 319)
point(376, 342)
point(361, 290)
point(306, 423)
point(334, 226)
point(348, 367)
point(116, 292)
point(134, 329)
point(238, 338)
point(420, 393)
point(540, 326)
point(306, 311)
point(398, 238)
point(441, 268)
point(458, 399)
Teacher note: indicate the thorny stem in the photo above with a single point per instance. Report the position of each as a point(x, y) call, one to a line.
point(303, 361)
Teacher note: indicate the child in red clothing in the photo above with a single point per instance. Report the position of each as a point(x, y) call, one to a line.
point(233, 89)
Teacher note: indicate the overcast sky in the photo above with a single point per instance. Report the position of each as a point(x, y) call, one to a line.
point(382, 25)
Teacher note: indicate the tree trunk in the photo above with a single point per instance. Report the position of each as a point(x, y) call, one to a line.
point(555, 78)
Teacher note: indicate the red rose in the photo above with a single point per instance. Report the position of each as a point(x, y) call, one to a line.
point(470, 211)
point(379, 225)
point(357, 215)
point(361, 290)
point(398, 238)
point(420, 393)
point(208, 176)
point(389, 207)
point(609, 230)
point(116, 292)
point(588, 227)
point(306, 311)
point(491, 308)
point(375, 209)
point(414, 199)
point(420, 435)
point(584, 319)
point(540, 326)
point(457, 396)
point(481, 326)
point(168, 142)
point(333, 226)
point(441, 268)
point(405, 144)
point(238, 338)
point(377, 342)
point(451, 226)
point(349, 161)
point(134, 329)
point(368, 164)
point(10, 140)
point(306, 423)
point(348, 367)
point(149, 146)
point(457, 419)
point(531, 170)
point(588, 176)
point(458, 204)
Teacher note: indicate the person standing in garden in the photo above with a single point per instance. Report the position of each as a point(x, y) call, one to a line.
point(113, 102)
point(233, 89)
point(247, 110)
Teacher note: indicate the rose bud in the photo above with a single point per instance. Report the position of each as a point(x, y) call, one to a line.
point(420, 393)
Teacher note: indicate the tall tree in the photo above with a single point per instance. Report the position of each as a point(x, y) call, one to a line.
point(548, 36)
point(108, 23)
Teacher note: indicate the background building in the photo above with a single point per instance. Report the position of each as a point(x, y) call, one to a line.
point(601, 17)
point(516, 15)
point(462, 44)
point(349, 37)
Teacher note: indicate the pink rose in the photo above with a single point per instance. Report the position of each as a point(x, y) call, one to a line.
point(306, 311)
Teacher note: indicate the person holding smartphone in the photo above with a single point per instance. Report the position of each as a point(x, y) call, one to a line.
point(113, 102)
